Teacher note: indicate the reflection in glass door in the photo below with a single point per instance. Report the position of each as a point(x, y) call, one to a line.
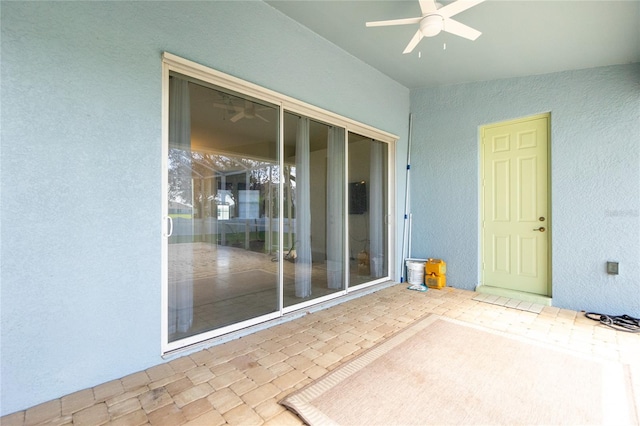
point(223, 177)
point(314, 209)
point(368, 210)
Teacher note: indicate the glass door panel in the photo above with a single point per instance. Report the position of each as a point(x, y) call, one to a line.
point(223, 178)
point(368, 210)
point(313, 260)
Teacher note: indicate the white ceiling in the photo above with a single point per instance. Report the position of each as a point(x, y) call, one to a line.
point(519, 37)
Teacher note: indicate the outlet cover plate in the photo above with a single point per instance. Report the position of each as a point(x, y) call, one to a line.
point(612, 268)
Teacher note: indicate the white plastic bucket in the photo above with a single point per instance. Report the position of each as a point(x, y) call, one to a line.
point(415, 272)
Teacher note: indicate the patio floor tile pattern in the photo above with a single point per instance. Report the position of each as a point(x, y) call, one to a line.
point(240, 382)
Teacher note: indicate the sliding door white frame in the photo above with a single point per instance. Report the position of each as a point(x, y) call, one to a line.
point(173, 63)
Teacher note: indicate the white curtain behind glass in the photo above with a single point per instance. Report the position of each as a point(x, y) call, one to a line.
point(303, 211)
point(180, 280)
point(335, 207)
point(376, 210)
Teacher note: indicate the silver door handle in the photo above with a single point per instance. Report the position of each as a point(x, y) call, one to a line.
point(168, 234)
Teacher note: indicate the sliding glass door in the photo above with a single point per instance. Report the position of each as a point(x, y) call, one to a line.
point(270, 205)
point(368, 210)
point(223, 171)
point(314, 209)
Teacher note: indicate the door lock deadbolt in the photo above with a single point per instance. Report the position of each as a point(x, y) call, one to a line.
point(541, 218)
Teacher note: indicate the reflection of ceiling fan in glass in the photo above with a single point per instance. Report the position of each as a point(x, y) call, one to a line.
point(248, 110)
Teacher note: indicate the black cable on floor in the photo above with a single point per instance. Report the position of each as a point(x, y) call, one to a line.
point(617, 322)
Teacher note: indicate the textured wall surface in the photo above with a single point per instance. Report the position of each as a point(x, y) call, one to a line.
point(595, 178)
point(81, 167)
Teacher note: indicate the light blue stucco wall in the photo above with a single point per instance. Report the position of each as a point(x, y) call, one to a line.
point(595, 178)
point(81, 167)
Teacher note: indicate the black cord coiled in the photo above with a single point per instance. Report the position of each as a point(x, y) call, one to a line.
point(617, 322)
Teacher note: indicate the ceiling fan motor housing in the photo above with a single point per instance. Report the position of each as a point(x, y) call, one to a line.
point(431, 25)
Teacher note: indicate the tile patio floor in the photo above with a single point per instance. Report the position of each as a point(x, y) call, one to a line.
point(240, 382)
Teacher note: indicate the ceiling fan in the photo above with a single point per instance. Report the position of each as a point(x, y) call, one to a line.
point(248, 110)
point(435, 18)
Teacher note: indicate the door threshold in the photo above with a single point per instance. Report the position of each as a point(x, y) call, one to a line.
point(514, 294)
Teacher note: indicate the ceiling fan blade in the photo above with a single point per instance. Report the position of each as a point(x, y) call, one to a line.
point(237, 117)
point(404, 21)
point(230, 108)
point(457, 7)
point(414, 42)
point(459, 29)
point(428, 6)
point(262, 118)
